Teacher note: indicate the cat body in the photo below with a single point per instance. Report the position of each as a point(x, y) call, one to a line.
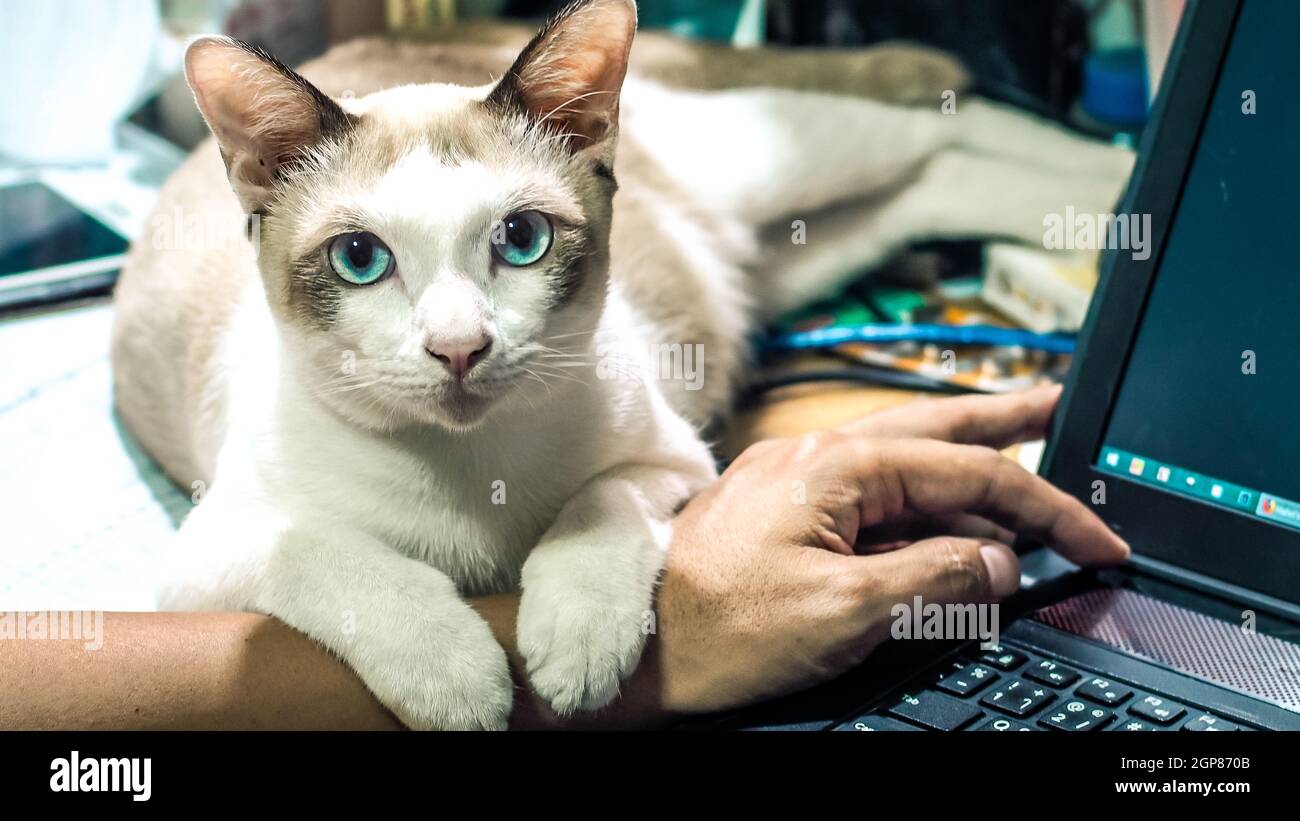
point(369, 446)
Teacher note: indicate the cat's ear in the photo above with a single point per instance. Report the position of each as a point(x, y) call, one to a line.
point(570, 75)
point(262, 113)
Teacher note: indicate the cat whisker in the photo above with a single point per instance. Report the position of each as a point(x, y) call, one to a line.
point(574, 359)
point(536, 376)
point(542, 349)
point(565, 376)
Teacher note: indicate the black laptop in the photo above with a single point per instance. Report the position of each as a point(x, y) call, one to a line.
point(1179, 425)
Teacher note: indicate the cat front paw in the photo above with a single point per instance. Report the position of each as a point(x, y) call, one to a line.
point(465, 698)
point(459, 683)
point(578, 647)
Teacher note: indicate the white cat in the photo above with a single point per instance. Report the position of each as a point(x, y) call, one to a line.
point(442, 371)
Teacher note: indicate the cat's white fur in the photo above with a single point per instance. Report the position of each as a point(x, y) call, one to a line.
point(363, 524)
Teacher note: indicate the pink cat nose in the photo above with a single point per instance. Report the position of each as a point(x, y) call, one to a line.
point(459, 355)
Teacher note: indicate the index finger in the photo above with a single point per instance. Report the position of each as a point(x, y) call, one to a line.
point(939, 478)
point(993, 421)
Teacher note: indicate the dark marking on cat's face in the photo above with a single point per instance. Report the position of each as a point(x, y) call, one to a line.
point(315, 292)
point(571, 268)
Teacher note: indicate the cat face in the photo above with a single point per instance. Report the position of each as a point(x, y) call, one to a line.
point(430, 252)
point(432, 266)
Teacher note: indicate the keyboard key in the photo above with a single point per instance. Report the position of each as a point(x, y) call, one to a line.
point(1002, 657)
point(1206, 723)
point(875, 723)
point(1133, 725)
point(1156, 709)
point(1077, 716)
point(1018, 698)
point(1052, 674)
point(969, 679)
point(1004, 725)
point(935, 711)
point(1104, 692)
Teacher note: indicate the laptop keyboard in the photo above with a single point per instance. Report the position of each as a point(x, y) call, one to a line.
point(1006, 689)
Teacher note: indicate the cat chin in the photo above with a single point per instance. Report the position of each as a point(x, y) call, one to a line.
point(456, 409)
point(464, 412)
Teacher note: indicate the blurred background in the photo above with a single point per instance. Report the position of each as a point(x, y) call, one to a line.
point(94, 62)
point(95, 113)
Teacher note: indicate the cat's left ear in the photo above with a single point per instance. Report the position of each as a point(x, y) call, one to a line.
point(570, 75)
point(263, 114)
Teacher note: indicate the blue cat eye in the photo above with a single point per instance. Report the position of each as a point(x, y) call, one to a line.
point(522, 238)
point(360, 258)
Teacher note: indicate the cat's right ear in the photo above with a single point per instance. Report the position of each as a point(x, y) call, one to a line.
point(263, 114)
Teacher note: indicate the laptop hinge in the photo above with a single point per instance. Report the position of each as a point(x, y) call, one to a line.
point(1215, 587)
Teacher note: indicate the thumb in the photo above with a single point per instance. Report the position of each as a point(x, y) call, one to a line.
point(945, 570)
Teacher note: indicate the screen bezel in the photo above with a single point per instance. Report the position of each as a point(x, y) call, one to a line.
point(1204, 539)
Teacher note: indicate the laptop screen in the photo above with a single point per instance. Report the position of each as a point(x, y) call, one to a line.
point(1211, 392)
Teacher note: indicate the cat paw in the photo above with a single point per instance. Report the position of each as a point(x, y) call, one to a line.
point(577, 650)
point(466, 686)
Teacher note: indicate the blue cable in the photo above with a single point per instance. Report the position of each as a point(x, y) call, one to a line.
point(907, 332)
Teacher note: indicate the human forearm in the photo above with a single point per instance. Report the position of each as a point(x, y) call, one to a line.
point(183, 671)
point(235, 671)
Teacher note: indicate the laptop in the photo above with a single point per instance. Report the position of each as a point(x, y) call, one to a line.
point(1177, 424)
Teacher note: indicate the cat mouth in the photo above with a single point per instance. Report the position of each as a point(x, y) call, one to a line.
point(464, 405)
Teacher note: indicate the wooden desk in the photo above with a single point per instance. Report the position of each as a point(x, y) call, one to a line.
point(818, 406)
point(802, 408)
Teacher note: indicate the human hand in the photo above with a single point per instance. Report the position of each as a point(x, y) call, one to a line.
point(783, 574)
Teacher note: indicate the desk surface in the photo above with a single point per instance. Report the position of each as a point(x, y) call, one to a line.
point(802, 408)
